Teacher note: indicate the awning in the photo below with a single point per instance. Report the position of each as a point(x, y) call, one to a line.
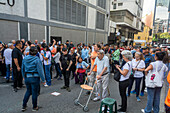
point(140, 41)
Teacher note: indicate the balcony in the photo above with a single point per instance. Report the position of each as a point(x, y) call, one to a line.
point(121, 16)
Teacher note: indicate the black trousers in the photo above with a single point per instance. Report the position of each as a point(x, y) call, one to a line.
point(3, 68)
point(66, 75)
point(122, 90)
point(73, 69)
point(17, 78)
point(131, 80)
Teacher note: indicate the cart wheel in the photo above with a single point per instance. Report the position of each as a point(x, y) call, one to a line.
point(86, 109)
point(76, 102)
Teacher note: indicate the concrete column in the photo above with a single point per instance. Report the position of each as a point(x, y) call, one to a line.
point(126, 35)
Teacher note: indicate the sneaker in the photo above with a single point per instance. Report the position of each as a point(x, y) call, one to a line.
point(142, 94)
point(143, 111)
point(59, 78)
point(96, 99)
point(138, 99)
point(35, 109)
point(15, 89)
point(121, 111)
point(45, 85)
point(18, 88)
point(64, 87)
point(24, 109)
point(103, 108)
point(68, 89)
point(133, 92)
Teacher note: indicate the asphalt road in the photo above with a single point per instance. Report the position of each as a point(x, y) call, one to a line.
point(11, 102)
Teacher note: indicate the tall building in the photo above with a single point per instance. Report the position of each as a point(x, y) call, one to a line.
point(161, 16)
point(83, 21)
point(163, 3)
point(127, 17)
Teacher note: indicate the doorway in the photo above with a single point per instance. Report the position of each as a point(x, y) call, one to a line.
point(56, 38)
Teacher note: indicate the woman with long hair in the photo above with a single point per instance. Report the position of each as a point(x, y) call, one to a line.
point(138, 66)
point(57, 63)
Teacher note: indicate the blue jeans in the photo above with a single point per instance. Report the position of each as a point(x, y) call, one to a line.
point(47, 74)
point(57, 66)
point(8, 72)
point(153, 99)
point(32, 85)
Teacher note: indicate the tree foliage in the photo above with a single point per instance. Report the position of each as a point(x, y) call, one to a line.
point(165, 35)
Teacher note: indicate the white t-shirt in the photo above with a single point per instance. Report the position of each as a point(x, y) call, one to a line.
point(57, 57)
point(159, 67)
point(47, 55)
point(8, 56)
point(128, 67)
point(141, 65)
point(27, 50)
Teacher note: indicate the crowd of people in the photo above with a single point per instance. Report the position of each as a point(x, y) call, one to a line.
point(30, 61)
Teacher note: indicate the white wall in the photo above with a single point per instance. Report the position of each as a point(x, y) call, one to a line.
point(91, 18)
point(94, 2)
point(37, 9)
point(17, 9)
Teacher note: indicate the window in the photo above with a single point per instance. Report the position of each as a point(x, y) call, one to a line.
point(114, 6)
point(100, 21)
point(102, 4)
point(68, 11)
point(120, 4)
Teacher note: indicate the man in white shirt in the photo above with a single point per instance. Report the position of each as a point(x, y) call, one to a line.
point(102, 77)
point(8, 60)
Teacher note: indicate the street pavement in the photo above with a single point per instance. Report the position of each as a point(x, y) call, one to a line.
point(11, 102)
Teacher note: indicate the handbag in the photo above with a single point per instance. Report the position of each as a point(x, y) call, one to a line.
point(118, 74)
point(132, 74)
point(154, 78)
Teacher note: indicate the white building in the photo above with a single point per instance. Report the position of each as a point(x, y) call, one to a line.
point(83, 21)
point(127, 16)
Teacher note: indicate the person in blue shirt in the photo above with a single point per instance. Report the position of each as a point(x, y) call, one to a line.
point(32, 71)
point(85, 53)
point(148, 59)
point(152, 52)
point(80, 70)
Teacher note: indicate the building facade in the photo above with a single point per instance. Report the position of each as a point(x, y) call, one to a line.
point(161, 26)
point(143, 38)
point(127, 17)
point(83, 21)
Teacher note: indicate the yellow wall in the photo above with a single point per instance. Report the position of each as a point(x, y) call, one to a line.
point(143, 36)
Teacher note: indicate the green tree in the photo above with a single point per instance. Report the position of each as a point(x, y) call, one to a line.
point(165, 35)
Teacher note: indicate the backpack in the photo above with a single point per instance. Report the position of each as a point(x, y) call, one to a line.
point(154, 78)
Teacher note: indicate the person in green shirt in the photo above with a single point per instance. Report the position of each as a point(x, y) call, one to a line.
point(115, 57)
